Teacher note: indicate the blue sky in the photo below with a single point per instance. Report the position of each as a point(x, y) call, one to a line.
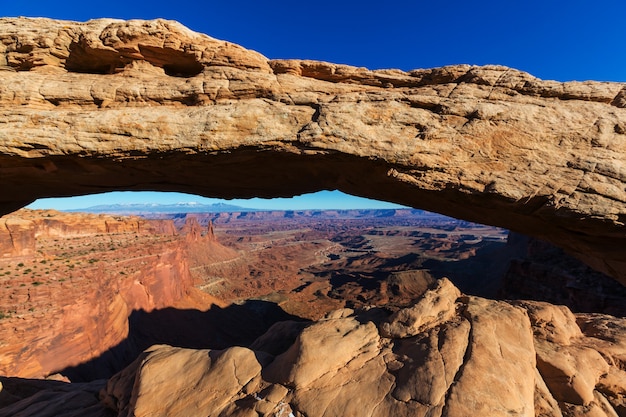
point(559, 40)
point(319, 200)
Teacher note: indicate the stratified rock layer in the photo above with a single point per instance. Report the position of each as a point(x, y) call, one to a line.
point(150, 105)
point(481, 357)
point(76, 288)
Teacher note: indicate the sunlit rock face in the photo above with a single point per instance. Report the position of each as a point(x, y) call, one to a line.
point(76, 286)
point(151, 105)
point(473, 356)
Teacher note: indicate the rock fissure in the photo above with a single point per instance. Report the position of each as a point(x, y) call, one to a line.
point(620, 99)
point(459, 372)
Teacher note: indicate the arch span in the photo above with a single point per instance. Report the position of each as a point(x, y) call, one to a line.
point(150, 105)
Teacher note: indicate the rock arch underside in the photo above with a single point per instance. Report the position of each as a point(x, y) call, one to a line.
point(111, 105)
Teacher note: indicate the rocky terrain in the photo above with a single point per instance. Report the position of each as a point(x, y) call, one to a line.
point(116, 303)
point(71, 283)
point(311, 262)
point(447, 354)
point(150, 105)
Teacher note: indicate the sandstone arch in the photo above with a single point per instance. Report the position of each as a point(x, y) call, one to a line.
point(150, 105)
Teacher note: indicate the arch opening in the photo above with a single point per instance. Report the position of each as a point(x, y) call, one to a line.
point(308, 262)
point(386, 237)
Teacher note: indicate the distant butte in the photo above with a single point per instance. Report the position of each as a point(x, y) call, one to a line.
point(151, 105)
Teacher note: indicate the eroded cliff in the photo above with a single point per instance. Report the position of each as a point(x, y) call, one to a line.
point(70, 282)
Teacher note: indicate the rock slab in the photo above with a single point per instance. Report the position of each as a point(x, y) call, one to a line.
point(486, 357)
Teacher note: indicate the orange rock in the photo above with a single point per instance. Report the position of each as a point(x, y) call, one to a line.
point(141, 98)
point(433, 308)
point(74, 280)
point(480, 361)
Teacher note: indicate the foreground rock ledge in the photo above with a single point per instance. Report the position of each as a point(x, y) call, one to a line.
point(150, 105)
point(472, 357)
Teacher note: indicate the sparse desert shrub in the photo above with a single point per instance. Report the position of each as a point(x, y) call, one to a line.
point(37, 283)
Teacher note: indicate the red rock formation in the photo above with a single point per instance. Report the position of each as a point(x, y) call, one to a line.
point(17, 237)
point(210, 232)
point(76, 279)
point(471, 357)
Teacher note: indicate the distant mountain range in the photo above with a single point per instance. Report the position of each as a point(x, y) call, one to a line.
point(222, 212)
point(149, 208)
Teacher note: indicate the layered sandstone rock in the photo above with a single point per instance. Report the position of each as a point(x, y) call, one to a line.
point(481, 357)
point(19, 232)
point(71, 282)
point(114, 105)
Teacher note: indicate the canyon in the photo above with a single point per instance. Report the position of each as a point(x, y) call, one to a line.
point(242, 305)
point(70, 283)
point(315, 320)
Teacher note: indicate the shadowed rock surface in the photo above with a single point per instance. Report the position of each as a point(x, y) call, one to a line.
point(150, 105)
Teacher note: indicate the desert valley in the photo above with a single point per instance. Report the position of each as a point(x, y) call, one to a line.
point(515, 310)
point(84, 295)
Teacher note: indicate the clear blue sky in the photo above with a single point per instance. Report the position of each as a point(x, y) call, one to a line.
point(559, 40)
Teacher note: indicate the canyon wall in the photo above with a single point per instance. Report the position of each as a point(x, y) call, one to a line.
point(115, 105)
point(19, 233)
point(71, 281)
